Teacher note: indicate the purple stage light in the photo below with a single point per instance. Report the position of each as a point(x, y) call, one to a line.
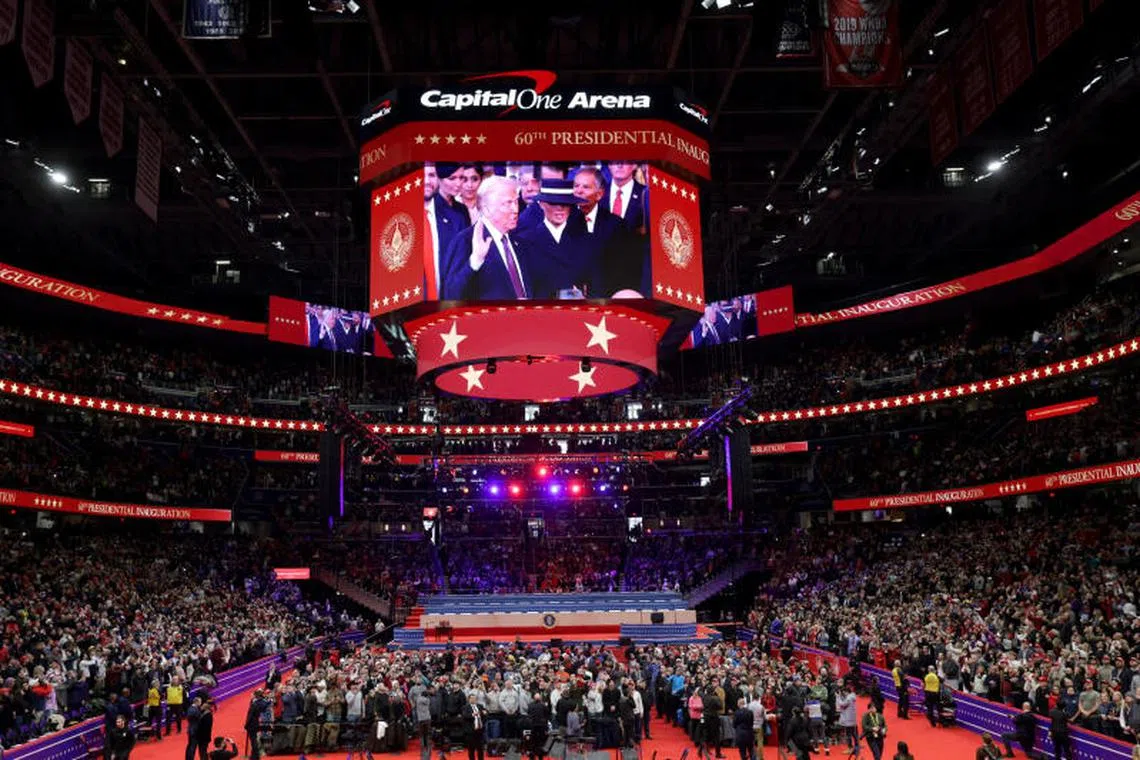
point(495, 489)
point(555, 489)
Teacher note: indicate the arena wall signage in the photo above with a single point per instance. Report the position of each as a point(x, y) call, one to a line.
point(85, 296)
point(458, 460)
point(1108, 473)
point(621, 225)
point(71, 505)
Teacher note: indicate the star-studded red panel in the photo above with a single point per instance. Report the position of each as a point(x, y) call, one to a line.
point(465, 339)
point(541, 381)
point(396, 262)
point(675, 231)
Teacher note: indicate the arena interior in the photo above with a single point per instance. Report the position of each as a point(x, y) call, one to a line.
point(570, 380)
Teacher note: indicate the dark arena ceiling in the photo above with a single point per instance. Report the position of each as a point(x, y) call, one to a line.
point(799, 172)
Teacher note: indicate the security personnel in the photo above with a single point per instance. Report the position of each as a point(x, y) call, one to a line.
point(931, 690)
point(903, 690)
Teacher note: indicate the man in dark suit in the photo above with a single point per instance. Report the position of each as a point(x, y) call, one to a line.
point(625, 196)
point(441, 225)
point(1024, 731)
point(204, 734)
point(743, 737)
point(483, 262)
point(620, 260)
point(475, 726)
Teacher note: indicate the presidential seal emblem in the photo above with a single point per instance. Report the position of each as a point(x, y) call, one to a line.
point(676, 238)
point(548, 620)
point(397, 240)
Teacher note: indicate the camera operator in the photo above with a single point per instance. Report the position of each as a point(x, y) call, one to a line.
point(538, 721)
point(257, 705)
point(224, 749)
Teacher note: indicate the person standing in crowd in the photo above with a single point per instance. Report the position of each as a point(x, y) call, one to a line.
point(989, 750)
point(421, 713)
point(743, 736)
point(110, 714)
point(874, 730)
point(798, 735)
point(193, 718)
point(931, 693)
point(538, 717)
point(120, 740)
point(902, 752)
point(257, 705)
point(902, 689)
point(696, 707)
point(224, 749)
point(175, 704)
point(204, 733)
point(710, 730)
point(1024, 731)
point(475, 726)
point(154, 710)
point(847, 707)
point(1059, 732)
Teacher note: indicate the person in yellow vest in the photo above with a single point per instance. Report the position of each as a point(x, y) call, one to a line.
point(931, 690)
point(154, 709)
point(902, 689)
point(175, 703)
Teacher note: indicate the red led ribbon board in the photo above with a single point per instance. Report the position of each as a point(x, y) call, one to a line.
point(292, 573)
point(71, 505)
point(81, 294)
point(17, 429)
point(1094, 232)
point(1060, 410)
point(485, 141)
point(1107, 473)
point(270, 455)
point(537, 349)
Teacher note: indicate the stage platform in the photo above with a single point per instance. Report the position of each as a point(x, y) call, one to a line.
point(654, 617)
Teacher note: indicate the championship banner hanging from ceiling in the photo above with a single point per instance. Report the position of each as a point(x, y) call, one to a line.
point(38, 41)
point(77, 77)
point(796, 40)
point(861, 43)
point(8, 11)
point(110, 115)
point(225, 19)
point(148, 170)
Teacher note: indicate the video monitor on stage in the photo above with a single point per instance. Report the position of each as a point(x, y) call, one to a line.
point(514, 231)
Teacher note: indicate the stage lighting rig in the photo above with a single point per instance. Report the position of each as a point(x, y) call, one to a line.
point(724, 420)
point(343, 421)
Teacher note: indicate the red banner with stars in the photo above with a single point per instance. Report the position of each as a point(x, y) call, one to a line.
point(85, 296)
point(1084, 476)
point(775, 311)
point(71, 505)
point(675, 234)
point(396, 261)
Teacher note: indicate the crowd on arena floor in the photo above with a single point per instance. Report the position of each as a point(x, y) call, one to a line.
point(1037, 607)
point(86, 617)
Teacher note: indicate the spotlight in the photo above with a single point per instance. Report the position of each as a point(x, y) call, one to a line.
point(515, 489)
point(58, 177)
point(576, 489)
point(494, 489)
point(492, 367)
point(543, 471)
point(555, 489)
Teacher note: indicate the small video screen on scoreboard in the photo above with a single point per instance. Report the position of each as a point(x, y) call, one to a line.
point(319, 326)
point(724, 322)
point(552, 231)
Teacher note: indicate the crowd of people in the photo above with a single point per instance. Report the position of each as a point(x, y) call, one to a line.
point(1036, 606)
point(87, 617)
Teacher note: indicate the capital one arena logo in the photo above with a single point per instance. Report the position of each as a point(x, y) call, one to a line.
point(397, 240)
point(533, 98)
point(676, 238)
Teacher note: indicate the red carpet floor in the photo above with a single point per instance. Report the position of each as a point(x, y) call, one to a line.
point(926, 743)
